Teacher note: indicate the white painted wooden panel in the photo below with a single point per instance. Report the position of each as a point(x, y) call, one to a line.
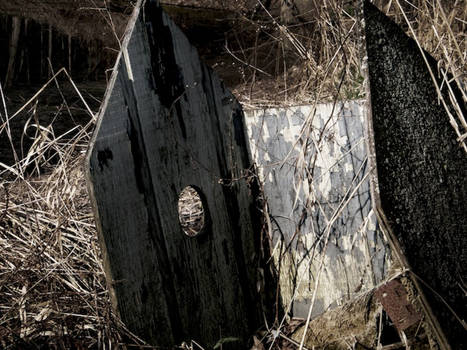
point(313, 165)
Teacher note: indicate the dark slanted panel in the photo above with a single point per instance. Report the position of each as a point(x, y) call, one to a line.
point(421, 169)
point(168, 122)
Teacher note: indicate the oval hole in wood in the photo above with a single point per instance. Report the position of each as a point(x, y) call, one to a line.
point(191, 211)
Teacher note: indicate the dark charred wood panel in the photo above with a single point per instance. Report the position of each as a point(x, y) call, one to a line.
point(421, 169)
point(167, 122)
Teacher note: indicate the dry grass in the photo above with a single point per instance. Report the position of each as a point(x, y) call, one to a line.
point(316, 56)
point(191, 211)
point(52, 285)
point(312, 58)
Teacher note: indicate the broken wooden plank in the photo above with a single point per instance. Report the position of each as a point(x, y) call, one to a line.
point(419, 189)
point(167, 122)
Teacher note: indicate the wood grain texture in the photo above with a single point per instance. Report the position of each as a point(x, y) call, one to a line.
point(168, 122)
point(303, 194)
point(421, 187)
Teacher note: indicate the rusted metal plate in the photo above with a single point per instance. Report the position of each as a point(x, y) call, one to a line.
point(397, 305)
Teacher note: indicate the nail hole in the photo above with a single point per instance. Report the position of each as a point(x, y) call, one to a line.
point(191, 211)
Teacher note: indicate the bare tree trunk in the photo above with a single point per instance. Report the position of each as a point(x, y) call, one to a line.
point(50, 51)
point(14, 39)
point(69, 53)
point(42, 54)
point(28, 68)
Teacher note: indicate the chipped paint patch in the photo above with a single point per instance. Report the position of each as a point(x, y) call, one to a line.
point(313, 165)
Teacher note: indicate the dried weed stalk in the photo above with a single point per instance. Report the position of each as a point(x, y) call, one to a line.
point(52, 284)
point(304, 54)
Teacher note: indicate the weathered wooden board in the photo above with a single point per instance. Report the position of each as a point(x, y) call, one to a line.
point(314, 166)
point(168, 122)
point(421, 186)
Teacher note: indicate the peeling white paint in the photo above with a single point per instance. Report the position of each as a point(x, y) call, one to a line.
point(309, 167)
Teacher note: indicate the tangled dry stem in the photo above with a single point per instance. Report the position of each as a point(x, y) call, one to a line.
point(52, 284)
point(191, 211)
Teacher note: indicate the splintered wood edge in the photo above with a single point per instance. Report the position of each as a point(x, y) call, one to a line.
point(396, 249)
point(87, 166)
